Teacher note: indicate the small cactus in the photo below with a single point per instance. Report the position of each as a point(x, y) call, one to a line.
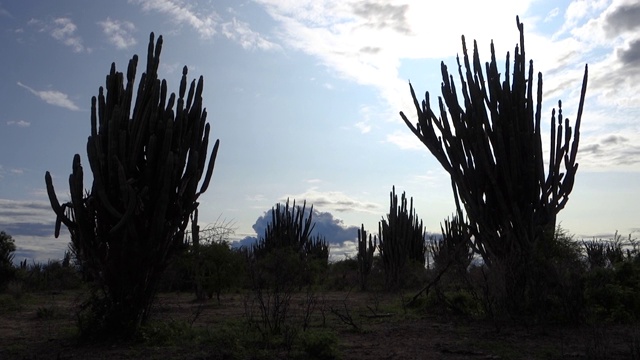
point(365, 255)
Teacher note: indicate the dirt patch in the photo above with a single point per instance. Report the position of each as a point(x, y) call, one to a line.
point(367, 326)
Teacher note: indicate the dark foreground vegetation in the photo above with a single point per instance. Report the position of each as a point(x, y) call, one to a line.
point(44, 306)
point(502, 281)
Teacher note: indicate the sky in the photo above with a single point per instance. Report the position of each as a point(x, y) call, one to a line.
point(304, 96)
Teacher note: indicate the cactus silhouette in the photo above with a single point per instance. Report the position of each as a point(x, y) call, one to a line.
point(146, 169)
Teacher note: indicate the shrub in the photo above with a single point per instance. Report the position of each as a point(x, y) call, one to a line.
point(343, 274)
point(50, 276)
point(320, 344)
point(216, 267)
point(7, 247)
point(613, 294)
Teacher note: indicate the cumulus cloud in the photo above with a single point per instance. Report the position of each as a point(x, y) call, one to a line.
point(622, 19)
point(612, 33)
point(367, 41)
point(118, 32)
point(630, 54)
point(53, 97)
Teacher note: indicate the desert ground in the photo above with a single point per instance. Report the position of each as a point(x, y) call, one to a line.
point(366, 325)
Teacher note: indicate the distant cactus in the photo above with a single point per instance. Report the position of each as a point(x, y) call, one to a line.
point(291, 227)
point(146, 170)
point(365, 255)
point(290, 232)
point(455, 247)
point(401, 239)
point(7, 249)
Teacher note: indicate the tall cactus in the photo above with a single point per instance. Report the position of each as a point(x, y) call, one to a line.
point(146, 169)
point(493, 152)
point(401, 239)
point(365, 255)
point(491, 146)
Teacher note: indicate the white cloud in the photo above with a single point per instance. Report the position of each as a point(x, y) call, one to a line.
point(208, 24)
point(552, 14)
point(53, 97)
point(608, 151)
point(64, 30)
point(40, 249)
point(182, 13)
point(342, 251)
point(118, 32)
point(4, 12)
point(26, 217)
point(378, 33)
point(241, 33)
point(607, 38)
point(405, 140)
point(19, 123)
point(367, 43)
point(257, 197)
point(333, 201)
point(366, 114)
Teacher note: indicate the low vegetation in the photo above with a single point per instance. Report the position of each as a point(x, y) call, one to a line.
point(326, 315)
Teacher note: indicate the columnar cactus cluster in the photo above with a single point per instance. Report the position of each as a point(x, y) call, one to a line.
point(490, 143)
point(291, 227)
point(146, 170)
point(491, 147)
point(401, 239)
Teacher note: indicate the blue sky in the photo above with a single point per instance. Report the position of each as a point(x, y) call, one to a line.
point(304, 97)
